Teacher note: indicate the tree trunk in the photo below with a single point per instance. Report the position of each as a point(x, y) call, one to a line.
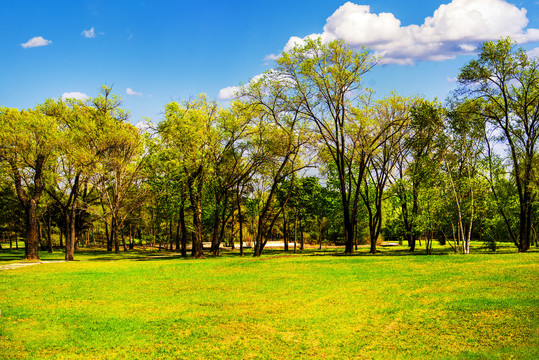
point(285, 231)
point(31, 243)
point(178, 231)
point(49, 232)
point(42, 245)
point(115, 234)
point(184, 231)
point(240, 219)
point(295, 232)
point(61, 236)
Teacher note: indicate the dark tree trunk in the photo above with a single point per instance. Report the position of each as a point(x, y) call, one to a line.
point(61, 236)
point(240, 219)
point(285, 232)
point(295, 232)
point(49, 232)
point(115, 236)
point(184, 231)
point(178, 231)
point(123, 240)
point(131, 242)
point(108, 235)
point(42, 245)
point(302, 243)
point(31, 243)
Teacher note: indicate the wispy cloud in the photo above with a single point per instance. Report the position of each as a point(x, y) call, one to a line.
point(130, 91)
point(534, 53)
point(269, 58)
point(75, 95)
point(35, 42)
point(89, 34)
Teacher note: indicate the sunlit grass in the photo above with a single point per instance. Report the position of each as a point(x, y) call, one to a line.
point(311, 305)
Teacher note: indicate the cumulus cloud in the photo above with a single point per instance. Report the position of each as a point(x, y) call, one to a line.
point(75, 95)
point(454, 29)
point(89, 34)
point(228, 93)
point(130, 91)
point(35, 42)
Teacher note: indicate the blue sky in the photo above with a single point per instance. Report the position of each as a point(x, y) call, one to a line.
point(153, 52)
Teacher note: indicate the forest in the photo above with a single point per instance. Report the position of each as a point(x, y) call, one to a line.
point(305, 154)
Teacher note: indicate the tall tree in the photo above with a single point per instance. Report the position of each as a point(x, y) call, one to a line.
point(389, 118)
point(504, 83)
point(323, 81)
point(188, 132)
point(28, 140)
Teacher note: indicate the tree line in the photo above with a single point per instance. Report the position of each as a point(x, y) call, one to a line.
point(305, 152)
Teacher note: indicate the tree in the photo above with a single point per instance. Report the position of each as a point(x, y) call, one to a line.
point(461, 153)
point(119, 151)
point(323, 81)
point(280, 136)
point(382, 140)
point(504, 84)
point(417, 163)
point(188, 132)
point(28, 140)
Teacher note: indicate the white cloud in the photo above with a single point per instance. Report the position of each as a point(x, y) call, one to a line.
point(35, 42)
point(89, 33)
point(451, 79)
point(75, 95)
point(130, 91)
point(534, 53)
point(454, 29)
point(228, 93)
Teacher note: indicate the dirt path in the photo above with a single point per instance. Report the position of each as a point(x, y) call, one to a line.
point(20, 265)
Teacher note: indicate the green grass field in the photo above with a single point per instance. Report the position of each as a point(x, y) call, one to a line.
point(280, 306)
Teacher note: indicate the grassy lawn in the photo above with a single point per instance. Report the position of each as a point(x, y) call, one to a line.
point(311, 305)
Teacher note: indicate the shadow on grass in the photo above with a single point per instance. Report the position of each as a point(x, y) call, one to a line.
point(100, 254)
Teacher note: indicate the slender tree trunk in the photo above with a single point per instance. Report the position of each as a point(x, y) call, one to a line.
point(123, 239)
point(70, 244)
point(285, 231)
point(355, 234)
point(131, 242)
point(197, 251)
point(108, 235)
point(240, 219)
point(184, 230)
point(49, 232)
point(115, 236)
point(178, 231)
point(295, 232)
point(302, 243)
point(42, 246)
point(233, 229)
